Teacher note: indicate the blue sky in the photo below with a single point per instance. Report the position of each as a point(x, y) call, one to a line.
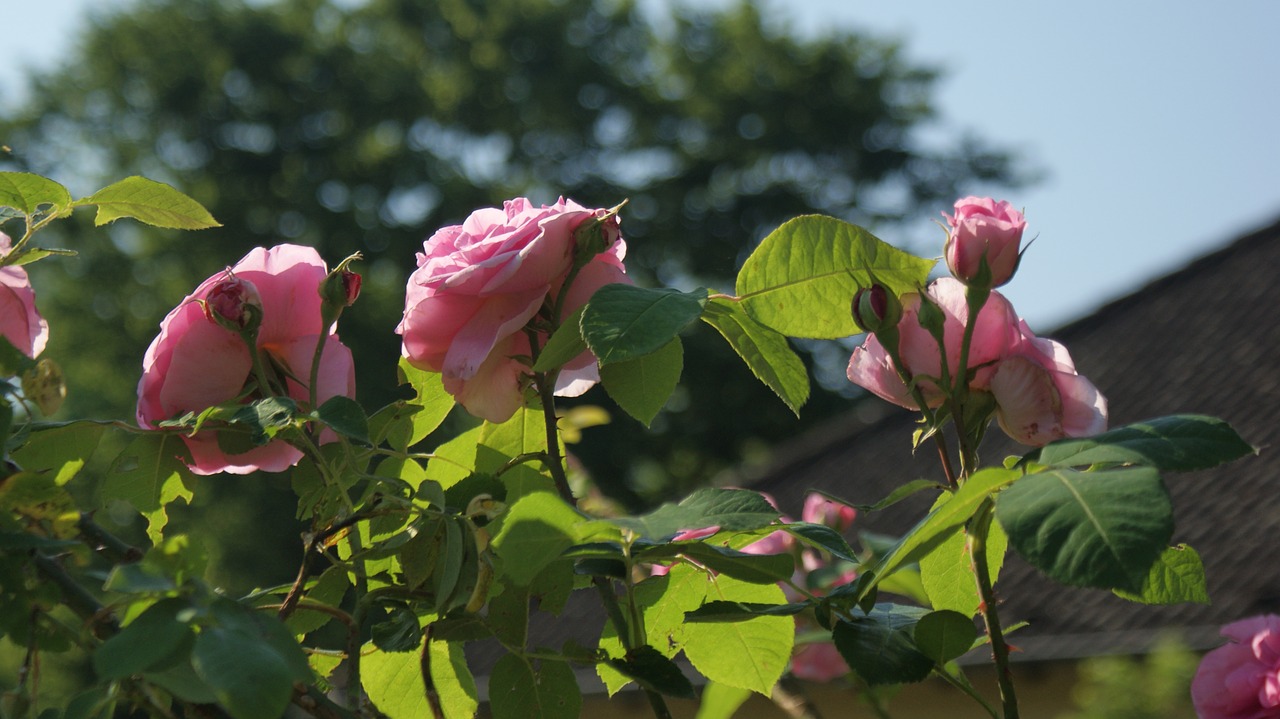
point(1153, 121)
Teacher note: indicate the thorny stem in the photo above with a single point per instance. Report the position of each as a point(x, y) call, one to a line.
point(978, 528)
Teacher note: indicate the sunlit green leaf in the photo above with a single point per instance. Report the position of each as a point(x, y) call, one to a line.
point(1176, 577)
point(565, 344)
point(430, 396)
point(151, 202)
point(765, 351)
point(720, 702)
point(754, 568)
point(748, 655)
point(944, 635)
point(62, 449)
point(149, 474)
point(26, 192)
point(394, 682)
point(947, 572)
point(801, 280)
point(641, 386)
point(536, 530)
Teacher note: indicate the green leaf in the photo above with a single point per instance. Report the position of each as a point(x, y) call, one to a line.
point(897, 495)
point(62, 449)
point(1089, 529)
point(31, 254)
point(535, 531)
point(720, 701)
point(148, 201)
point(1178, 443)
point(729, 509)
point(765, 351)
point(881, 646)
point(247, 675)
point(946, 515)
point(146, 642)
point(719, 611)
point(328, 590)
point(824, 538)
point(641, 386)
point(653, 671)
point(346, 417)
point(149, 474)
point(947, 572)
point(430, 396)
point(266, 417)
point(399, 633)
point(1176, 577)
point(945, 635)
point(394, 683)
point(524, 434)
point(753, 568)
point(622, 322)
point(518, 689)
point(663, 602)
point(564, 344)
point(801, 280)
point(748, 655)
point(26, 193)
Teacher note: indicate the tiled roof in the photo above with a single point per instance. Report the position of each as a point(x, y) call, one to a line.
point(1205, 339)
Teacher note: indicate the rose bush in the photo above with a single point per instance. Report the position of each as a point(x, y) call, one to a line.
point(20, 322)
point(479, 284)
point(983, 227)
point(196, 362)
point(1241, 679)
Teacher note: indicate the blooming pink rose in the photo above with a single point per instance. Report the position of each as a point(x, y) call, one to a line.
point(195, 363)
point(479, 284)
point(994, 335)
point(20, 323)
point(983, 227)
point(1040, 397)
point(1241, 679)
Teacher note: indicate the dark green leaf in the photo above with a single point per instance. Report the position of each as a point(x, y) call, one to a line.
point(622, 322)
point(641, 386)
point(1089, 529)
point(146, 642)
point(1176, 577)
point(944, 635)
point(399, 633)
point(63, 449)
point(1178, 443)
point(753, 568)
point(520, 690)
point(247, 676)
point(881, 647)
point(154, 203)
point(801, 280)
point(346, 417)
point(266, 417)
point(729, 509)
point(149, 474)
point(765, 351)
point(653, 671)
point(720, 611)
point(824, 538)
point(897, 495)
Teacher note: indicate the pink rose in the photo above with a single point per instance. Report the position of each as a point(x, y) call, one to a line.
point(479, 284)
point(818, 662)
point(1040, 397)
point(983, 227)
point(995, 334)
point(196, 363)
point(20, 323)
point(820, 510)
point(1241, 679)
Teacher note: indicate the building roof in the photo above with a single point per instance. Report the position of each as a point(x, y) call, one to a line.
point(1206, 340)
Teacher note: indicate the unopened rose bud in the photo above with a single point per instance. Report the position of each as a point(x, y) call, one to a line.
point(233, 303)
point(339, 290)
point(596, 235)
point(875, 309)
point(983, 231)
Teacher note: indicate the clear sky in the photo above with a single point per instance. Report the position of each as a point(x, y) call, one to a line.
point(1156, 123)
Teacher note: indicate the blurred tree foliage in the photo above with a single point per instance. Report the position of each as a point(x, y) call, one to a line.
point(365, 126)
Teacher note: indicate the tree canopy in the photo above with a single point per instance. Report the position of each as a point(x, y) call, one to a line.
point(366, 127)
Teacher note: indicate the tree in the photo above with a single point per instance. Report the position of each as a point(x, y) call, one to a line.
point(365, 128)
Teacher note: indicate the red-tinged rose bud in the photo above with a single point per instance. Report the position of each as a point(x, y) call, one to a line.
point(233, 303)
point(875, 309)
point(339, 290)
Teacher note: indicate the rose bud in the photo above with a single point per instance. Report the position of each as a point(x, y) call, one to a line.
point(233, 303)
point(339, 290)
point(875, 309)
point(983, 230)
